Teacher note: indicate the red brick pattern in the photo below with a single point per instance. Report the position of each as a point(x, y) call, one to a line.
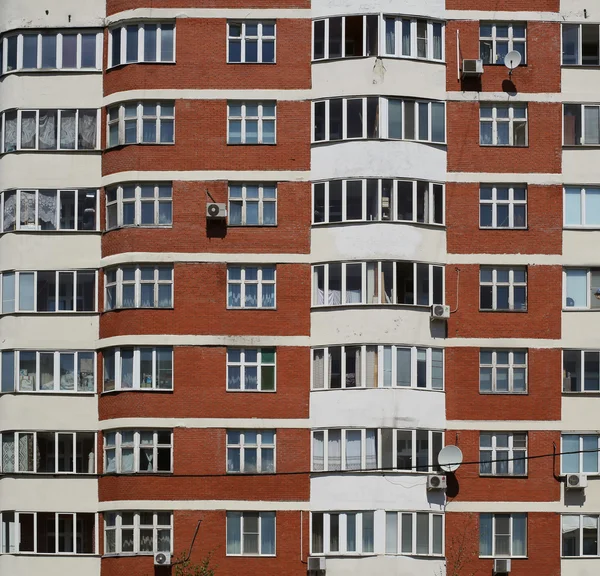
point(496, 5)
point(115, 6)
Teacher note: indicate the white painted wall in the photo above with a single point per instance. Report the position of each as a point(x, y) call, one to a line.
point(50, 331)
point(386, 566)
point(33, 494)
point(375, 325)
point(50, 169)
point(61, 13)
point(580, 329)
point(572, 10)
point(378, 77)
point(48, 412)
point(432, 8)
point(49, 565)
point(386, 159)
point(581, 247)
point(52, 251)
point(580, 84)
point(580, 412)
point(377, 408)
point(373, 241)
point(579, 166)
point(579, 567)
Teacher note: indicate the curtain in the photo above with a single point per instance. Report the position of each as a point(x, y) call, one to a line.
point(234, 295)
point(485, 534)
point(110, 460)
point(87, 129)
point(318, 451)
point(268, 295)
point(371, 367)
point(317, 532)
point(47, 129)
point(164, 540)
point(26, 452)
point(234, 532)
point(10, 132)
point(126, 368)
point(368, 531)
point(235, 213)
point(353, 450)
point(591, 124)
point(47, 209)
point(318, 283)
point(267, 532)
point(318, 368)
point(437, 40)
point(27, 208)
point(10, 211)
point(387, 366)
point(390, 36)
point(67, 371)
point(334, 450)
point(371, 449)
point(353, 367)
point(67, 129)
point(406, 38)
point(28, 129)
point(519, 539)
point(391, 532)
point(8, 453)
point(127, 460)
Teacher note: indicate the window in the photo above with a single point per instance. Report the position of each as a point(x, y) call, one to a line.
point(138, 532)
point(252, 204)
point(48, 452)
point(378, 200)
point(377, 367)
point(503, 124)
point(251, 451)
point(497, 40)
point(346, 283)
point(582, 288)
point(503, 535)
point(144, 204)
point(360, 118)
point(581, 125)
point(64, 533)
point(503, 371)
point(413, 38)
point(414, 533)
point(376, 449)
point(251, 287)
point(503, 207)
point(581, 371)
point(251, 369)
point(251, 42)
point(580, 535)
point(49, 291)
point(580, 454)
point(359, 34)
point(251, 122)
point(343, 533)
point(141, 123)
point(138, 369)
point(48, 50)
point(580, 45)
point(47, 210)
point(250, 533)
point(582, 206)
point(502, 454)
point(48, 371)
point(145, 451)
point(138, 287)
point(40, 130)
point(503, 288)
point(142, 42)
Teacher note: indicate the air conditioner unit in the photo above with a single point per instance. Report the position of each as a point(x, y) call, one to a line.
point(316, 564)
point(502, 566)
point(472, 67)
point(216, 211)
point(436, 482)
point(575, 481)
point(440, 312)
point(162, 559)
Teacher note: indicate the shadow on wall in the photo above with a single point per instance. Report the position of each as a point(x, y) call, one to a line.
point(216, 228)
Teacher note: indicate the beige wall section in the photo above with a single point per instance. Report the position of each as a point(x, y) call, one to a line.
point(60, 13)
point(579, 567)
point(392, 565)
point(50, 332)
point(580, 165)
point(572, 10)
point(49, 565)
point(580, 247)
point(580, 329)
point(432, 8)
point(580, 412)
point(43, 494)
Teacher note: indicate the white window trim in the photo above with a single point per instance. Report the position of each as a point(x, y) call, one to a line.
point(137, 376)
point(384, 214)
point(510, 534)
point(260, 37)
point(141, 52)
point(138, 282)
point(342, 533)
point(580, 535)
point(510, 366)
point(139, 118)
point(511, 121)
point(580, 375)
point(260, 520)
point(583, 210)
point(138, 201)
point(398, 37)
point(243, 364)
point(579, 45)
point(581, 454)
point(511, 452)
point(509, 41)
point(260, 119)
point(59, 51)
point(244, 200)
point(414, 515)
point(242, 445)
point(379, 383)
point(259, 282)
point(137, 527)
point(588, 305)
point(511, 203)
point(136, 446)
point(511, 285)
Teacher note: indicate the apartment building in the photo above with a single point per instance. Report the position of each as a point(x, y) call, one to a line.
point(261, 261)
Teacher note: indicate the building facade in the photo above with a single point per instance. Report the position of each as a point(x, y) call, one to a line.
point(226, 229)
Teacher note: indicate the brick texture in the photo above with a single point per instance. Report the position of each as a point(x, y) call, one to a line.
point(501, 5)
point(114, 6)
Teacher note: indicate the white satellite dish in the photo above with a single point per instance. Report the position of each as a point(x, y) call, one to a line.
point(512, 60)
point(450, 458)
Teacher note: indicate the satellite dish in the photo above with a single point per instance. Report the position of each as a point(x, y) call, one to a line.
point(450, 458)
point(512, 60)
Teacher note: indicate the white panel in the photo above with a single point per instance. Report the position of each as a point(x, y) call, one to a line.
point(374, 325)
point(47, 412)
point(377, 408)
point(51, 251)
point(384, 566)
point(580, 165)
point(572, 567)
point(580, 329)
point(572, 10)
point(384, 240)
point(581, 247)
point(580, 84)
point(77, 494)
point(49, 565)
point(375, 76)
point(432, 8)
point(374, 158)
point(580, 412)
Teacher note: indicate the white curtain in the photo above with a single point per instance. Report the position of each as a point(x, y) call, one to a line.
point(10, 210)
point(10, 132)
point(334, 450)
point(519, 547)
point(390, 36)
point(387, 366)
point(8, 453)
point(318, 451)
point(28, 128)
point(234, 532)
point(267, 533)
point(318, 368)
point(47, 209)
point(47, 130)
point(27, 208)
point(371, 449)
point(353, 449)
point(110, 460)
point(391, 532)
point(371, 367)
point(67, 129)
point(127, 460)
point(87, 129)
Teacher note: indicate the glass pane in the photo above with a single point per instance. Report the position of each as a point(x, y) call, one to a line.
point(576, 288)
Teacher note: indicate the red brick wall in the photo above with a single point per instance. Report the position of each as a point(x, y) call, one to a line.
point(542, 401)
point(543, 546)
point(542, 155)
point(114, 6)
point(539, 485)
point(200, 300)
point(199, 390)
point(544, 223)
point(191, 232)
point(541, 73)
point(201, 61)
point(497, 5)
point(290, 556)
point(544, 304)
point(201, 142)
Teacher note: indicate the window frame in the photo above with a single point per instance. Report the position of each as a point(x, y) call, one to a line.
point(260, 38)
point(579, 47)
point(141, 51)
point(582, 372)
point(414, 516)
point(259, 282)
point(589, 272)
point(580, 535)
point(510, 120)
point(511, 203)
point(136, 529)
point(582, 194)
point(121, 120)
point(359, 533)
point(511, 451)
point(509, 40)
point(399, 23)
point(136, 447)
point(259, 364)
point(119, 283)
point(136, 372)
point(243, 119)
point(243, 199)
point(261, 516)
point(511, 534)
point(510, 367)
point(581, 453)
point(511, 287)
point(243, 444)
point(138, 202)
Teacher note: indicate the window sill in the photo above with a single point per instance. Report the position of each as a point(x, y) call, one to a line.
point(120, 146)
point(251, 144)
point(25, 71)
point(505, 557)
point(503, 145)
point(251, 225)
point(44, 313)
point(237, 391)
point(581, 392)
point(53, 554)
point(575, 309)
point(139, 226)
point(503, 311)
point(420, 307)
point(501, 64)
point(124, 64)
point(380, 471)
point(381, 57)
point(162, 473)
point(507, 393)
point(378, 139)
point(54, 151)
point(437, 390)
point(60, 231)
point(575, 228)
point(575, 146)
point(154, 390)
point(47, 392)
point(251, 63)
point(129, 554)
point(511, 476)
point(507, 228)
point(138, 308)
point(250, 555)
point(261, 308)
point(434, 225)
